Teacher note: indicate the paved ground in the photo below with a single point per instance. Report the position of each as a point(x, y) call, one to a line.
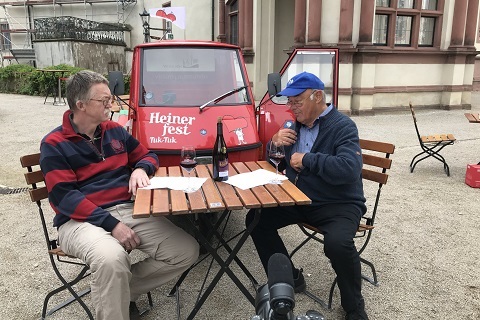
point(425, 246)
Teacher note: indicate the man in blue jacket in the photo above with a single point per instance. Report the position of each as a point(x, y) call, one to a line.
point(323, 158)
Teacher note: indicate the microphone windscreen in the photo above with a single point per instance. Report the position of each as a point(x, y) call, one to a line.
point(279, 270)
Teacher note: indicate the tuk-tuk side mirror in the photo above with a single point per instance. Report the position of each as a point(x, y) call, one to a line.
point(274, 83)
point(115, 83)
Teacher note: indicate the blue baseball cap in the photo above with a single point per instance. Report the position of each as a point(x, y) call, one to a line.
point(300, 83)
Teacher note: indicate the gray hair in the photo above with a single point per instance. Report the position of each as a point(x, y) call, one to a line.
point(79, 85)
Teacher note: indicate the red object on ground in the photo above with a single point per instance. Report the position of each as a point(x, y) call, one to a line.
point(472, 176)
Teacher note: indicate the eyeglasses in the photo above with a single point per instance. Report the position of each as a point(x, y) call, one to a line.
point(298, 104)
point(105, 102)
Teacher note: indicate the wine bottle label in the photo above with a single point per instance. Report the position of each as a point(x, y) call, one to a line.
point(222, 174)
point(223, 168)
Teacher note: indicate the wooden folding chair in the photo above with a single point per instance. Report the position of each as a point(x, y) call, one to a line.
point(376, 162)
point(34, 177)
point(38, 192)
point(431, 146)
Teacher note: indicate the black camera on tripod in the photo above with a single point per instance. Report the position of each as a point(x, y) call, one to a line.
point(276, 299)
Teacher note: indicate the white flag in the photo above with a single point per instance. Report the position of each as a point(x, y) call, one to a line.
point(174, 14)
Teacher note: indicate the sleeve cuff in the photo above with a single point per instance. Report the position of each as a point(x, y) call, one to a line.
point(109, 223)
point(307, 158)
point(145, 167)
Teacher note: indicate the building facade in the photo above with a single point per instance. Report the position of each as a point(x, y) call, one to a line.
point(392, 52)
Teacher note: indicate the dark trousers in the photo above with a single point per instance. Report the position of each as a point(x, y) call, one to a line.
point(338, 222)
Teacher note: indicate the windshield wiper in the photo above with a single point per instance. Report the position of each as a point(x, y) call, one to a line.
point(220, 98)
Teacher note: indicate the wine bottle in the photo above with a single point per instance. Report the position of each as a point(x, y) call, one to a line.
point(220, 155)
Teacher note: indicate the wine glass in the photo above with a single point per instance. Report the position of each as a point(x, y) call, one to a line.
point(276, 153)
point(188, 162)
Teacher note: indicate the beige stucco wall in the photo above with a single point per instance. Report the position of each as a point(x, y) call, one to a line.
point(273, 35)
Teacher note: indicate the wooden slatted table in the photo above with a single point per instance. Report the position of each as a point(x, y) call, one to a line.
point(218, 197)
point(473, 117)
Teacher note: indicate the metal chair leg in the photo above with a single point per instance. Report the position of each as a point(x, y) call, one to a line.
point(374, 279)
point(67, 285)
point(150, 304)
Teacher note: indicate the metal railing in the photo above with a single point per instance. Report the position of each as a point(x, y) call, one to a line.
point(71, 28)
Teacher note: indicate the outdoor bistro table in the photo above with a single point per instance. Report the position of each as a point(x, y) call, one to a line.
point(217, 197)
point(59, 75)
point(473, 117)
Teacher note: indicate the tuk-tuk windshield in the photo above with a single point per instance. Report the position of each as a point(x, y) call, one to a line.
point(190, 76)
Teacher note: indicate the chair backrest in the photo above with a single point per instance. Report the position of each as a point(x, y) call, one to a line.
point(376, 162)
point(415, 121)
point(38, 191)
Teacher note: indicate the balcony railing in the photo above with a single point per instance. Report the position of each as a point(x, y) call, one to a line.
point(71, 28)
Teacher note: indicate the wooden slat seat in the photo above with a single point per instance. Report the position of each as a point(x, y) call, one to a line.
point(59, 252)
point(431, 146)
point(438, 138)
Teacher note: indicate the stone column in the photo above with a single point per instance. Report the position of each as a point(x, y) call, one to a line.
point(366, 22)
point(458, 23)
point(248, 25)
point(346, 22)
point(471, 26)
point(314, 22)
point(221, 21)
point(299, 28)
point(241, 23)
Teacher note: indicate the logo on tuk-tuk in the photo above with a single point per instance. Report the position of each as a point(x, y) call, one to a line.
point(236, 125)
point(171, 125)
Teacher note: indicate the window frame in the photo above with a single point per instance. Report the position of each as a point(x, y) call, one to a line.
point(5, 37)
point(416, 13)
point(230, 13)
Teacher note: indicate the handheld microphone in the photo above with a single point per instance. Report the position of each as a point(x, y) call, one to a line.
point(280, 285)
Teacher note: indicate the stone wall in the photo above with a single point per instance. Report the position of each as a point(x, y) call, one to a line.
point(94, 56)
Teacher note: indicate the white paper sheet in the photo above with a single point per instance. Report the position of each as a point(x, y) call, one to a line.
point(252, 179)
point(176, 183)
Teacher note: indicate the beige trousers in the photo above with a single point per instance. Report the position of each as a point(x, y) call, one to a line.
point(115, 282)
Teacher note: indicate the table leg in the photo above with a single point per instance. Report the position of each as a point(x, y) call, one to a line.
point(208, 236)
point(224, 264)
point(223, 243)
point(59, 102)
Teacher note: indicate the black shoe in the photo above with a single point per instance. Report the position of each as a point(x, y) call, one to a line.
point(357, 315)
point(299, 283)
point(133, 311)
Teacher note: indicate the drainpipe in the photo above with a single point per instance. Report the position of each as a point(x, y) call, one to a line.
point(213, 20)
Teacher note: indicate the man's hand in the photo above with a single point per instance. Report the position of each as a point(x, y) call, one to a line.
point(287, 137)
point(126, 236)
point(296, 161)
point(138, 179)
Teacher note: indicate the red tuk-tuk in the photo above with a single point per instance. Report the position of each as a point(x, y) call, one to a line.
point(178, 89)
